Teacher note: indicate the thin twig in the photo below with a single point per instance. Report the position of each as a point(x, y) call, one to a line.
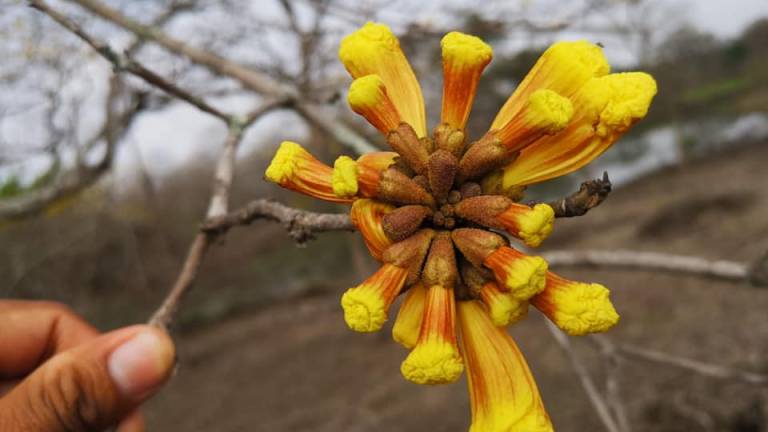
point(598, 403)
point(164, 314)
point(651, 261)
point(218, 207)
point(612, 386)
point(590, 194)
point(249, 78)
point(300, 224)
point(122, 62)
point(701, 368)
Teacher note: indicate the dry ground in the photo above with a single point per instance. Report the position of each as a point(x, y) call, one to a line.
point(294, 366)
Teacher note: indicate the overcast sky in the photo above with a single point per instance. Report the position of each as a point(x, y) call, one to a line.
point(154, 133)
point(726, 18)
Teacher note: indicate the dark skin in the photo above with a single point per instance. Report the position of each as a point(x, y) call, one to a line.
point(58, 373)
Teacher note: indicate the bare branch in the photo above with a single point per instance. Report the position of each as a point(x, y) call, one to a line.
point(164, 314)
point(218, 207)
point(122, 62)
point(612, 387)
point(301, 225)
point(601, 407)
point(80, 177)
point(701, 368)
point(651, 261)
point(254, 80)
point(590, 195)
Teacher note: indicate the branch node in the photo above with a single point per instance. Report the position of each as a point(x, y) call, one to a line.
point(590, 194)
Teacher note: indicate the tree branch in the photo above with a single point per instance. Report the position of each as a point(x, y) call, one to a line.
point(301, 225)
point(706, 369)
point(122, 62)
point(81, 176)
point(218, 207)
point(590, 195)
point(598, 403)
point(251, 79)
point(654, 261)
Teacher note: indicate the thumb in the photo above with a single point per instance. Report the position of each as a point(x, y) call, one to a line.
point(92, 386)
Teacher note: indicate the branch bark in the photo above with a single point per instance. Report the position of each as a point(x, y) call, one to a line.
point(122, 62)
point(249, 78)
point(218, 207)
point(301, 225)
point(590, 195)
point(652, 261)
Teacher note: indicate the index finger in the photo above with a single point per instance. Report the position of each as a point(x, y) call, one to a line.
point(31, 332)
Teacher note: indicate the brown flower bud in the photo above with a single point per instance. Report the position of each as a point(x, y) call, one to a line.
point(483, 209)
point(406, 143)
point(397, 187)
point(474, 277)
point(404, 221)
point(440, 267)
point(409, 253)
point(476, 244)
point(449, 139)
point(484, 155)
point(470, 189)
point(441, 171)
point(454, 197)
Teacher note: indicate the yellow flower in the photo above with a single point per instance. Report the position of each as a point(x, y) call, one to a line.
point(427, 210)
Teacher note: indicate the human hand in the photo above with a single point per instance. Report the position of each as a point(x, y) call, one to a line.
point(57, 373)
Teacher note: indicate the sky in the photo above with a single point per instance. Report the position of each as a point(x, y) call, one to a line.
point(165, 145)
point(725, 18)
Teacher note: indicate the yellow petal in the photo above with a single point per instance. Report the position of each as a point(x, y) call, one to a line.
point(374, 50)
point(464, 58)
point(294, 168)
point(575, 307)
point(366, 215)
point(502, 391)
point(436, 358)
point(368, 97)
point(605, 108)
point(563, 68)
point(409, 317)
point(530, 224)
point(369, 169)
point(366, 306)
point(344, 177)
point(522, 275)
point(503, 308)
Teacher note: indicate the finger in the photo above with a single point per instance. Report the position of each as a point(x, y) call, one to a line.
point(133, 423)
point(92, 386)
point(31, 332)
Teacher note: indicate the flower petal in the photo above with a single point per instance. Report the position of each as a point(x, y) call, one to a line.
point(502, 391)
point(436, 358)
point(503, 308)
point(563, 68)
point(296, 169)
point(606, 108)
point(366, 306)
point(530, 224)
point(367, 215)
point(522, 275)
point(464, 58)
point(575, 307)
point(409, 317)
point(368, 97)
point(374, 50)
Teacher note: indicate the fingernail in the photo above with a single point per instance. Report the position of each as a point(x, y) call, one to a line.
point(142, 363)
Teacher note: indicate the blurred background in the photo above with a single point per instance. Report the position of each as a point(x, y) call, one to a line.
point(104, 180)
